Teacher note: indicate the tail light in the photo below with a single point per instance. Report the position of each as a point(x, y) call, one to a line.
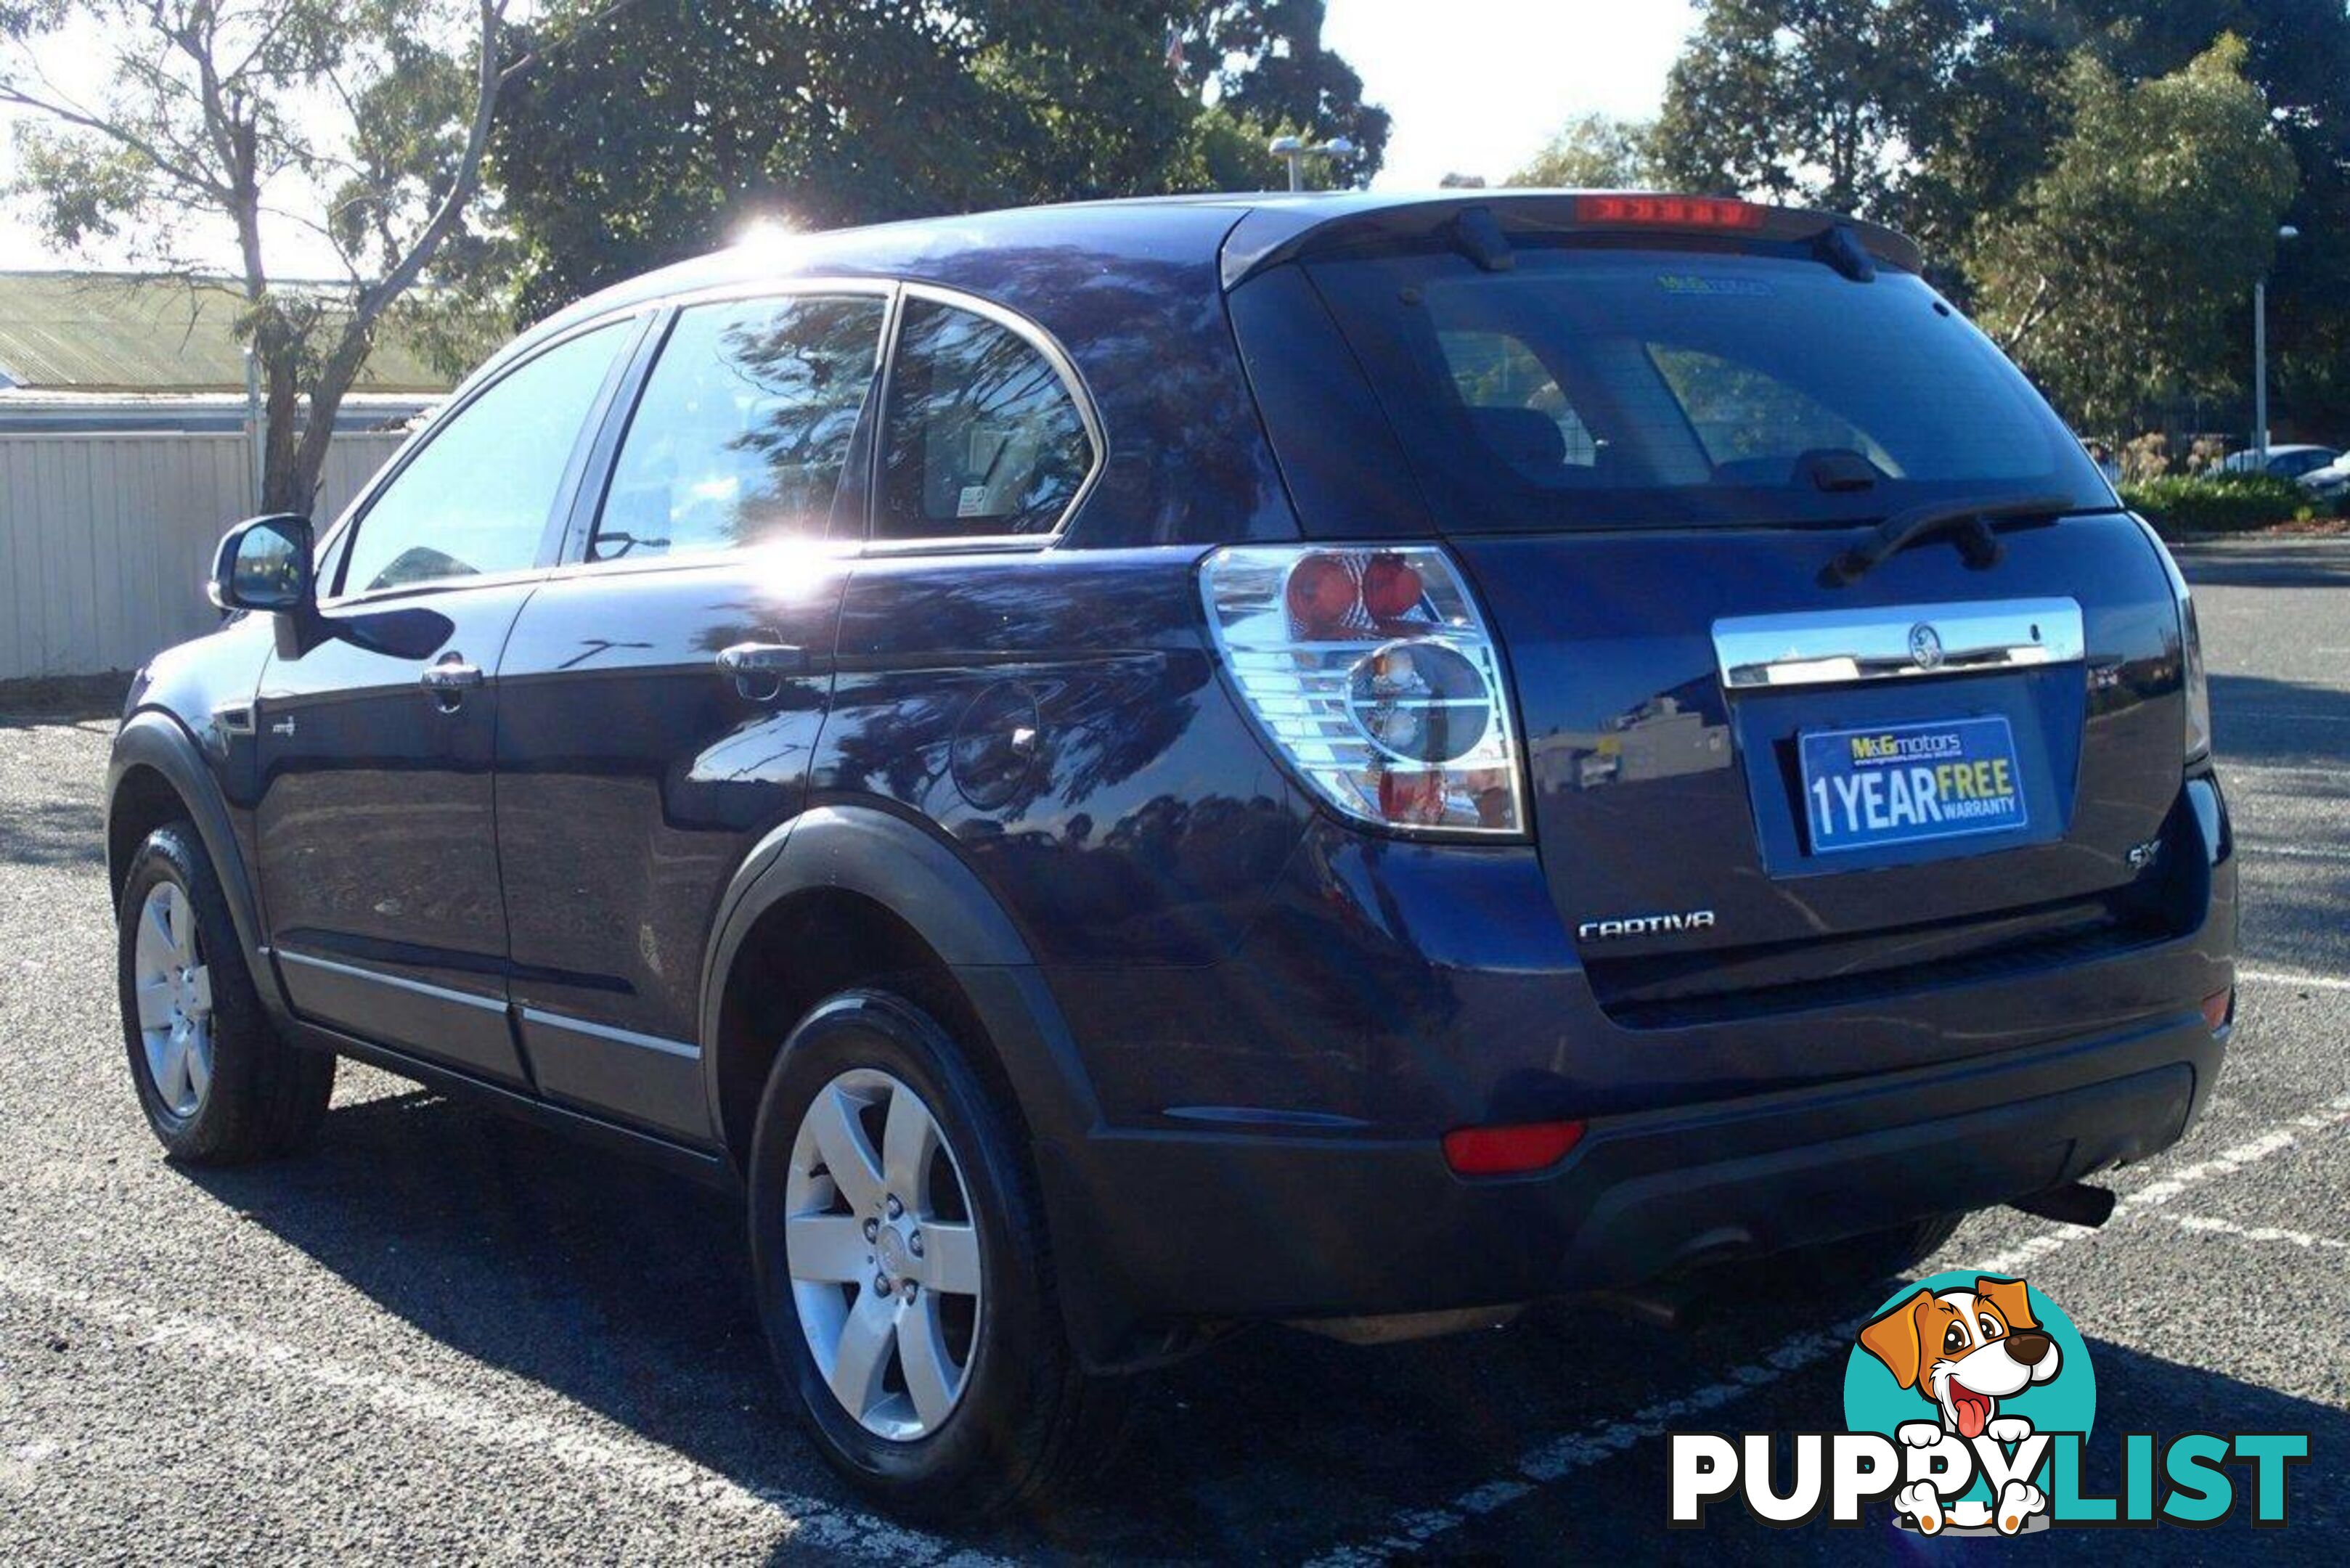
point(1372, 673)
point(2198, 684)
point(2197, 739)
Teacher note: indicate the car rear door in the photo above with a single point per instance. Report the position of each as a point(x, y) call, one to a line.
point(662, 694)
point(375, 730)
point(1760, 781)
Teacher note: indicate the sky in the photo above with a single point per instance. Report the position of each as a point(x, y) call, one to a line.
point(1476, 87)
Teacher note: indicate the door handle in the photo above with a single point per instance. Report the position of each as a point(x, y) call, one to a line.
point(452, 674)
point(764, 658)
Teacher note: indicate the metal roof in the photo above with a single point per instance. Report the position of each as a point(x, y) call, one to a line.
point(119, 332)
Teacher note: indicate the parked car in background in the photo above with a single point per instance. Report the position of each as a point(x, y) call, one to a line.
point(2283, 461)
point(1131, 769)
point(2331, 480)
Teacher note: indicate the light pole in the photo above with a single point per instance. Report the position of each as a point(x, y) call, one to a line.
point(1295, 150)
point(2261, 360)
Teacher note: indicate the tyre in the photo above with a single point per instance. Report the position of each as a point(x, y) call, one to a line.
point(905, 1278)
point(219, 1086)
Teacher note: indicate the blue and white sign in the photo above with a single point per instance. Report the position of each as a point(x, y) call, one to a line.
point(1904, 783)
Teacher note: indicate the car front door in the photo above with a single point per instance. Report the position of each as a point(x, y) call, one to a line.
point(661, 694)
point(377, 727)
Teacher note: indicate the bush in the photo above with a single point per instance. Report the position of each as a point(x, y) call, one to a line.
point(2221, 503)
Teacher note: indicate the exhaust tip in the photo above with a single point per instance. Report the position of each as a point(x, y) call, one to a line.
point(2076, 1203)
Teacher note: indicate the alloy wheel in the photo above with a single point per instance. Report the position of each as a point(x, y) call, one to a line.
point(882, 1250)
point(174, 993)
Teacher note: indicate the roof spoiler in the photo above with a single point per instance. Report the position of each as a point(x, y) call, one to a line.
point(1290, 231)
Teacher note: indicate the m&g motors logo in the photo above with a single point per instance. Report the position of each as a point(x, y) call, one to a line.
point(1968, 1403)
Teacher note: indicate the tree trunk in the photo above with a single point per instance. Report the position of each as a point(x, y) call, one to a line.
point(327, 392)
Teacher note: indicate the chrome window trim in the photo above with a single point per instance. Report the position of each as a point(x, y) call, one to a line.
point(853, 548)
point(1072, 382)
point(1823, 647)
point(671, 309)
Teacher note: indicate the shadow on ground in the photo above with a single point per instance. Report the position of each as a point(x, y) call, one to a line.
point(2279, 723)
point(628, 1291)
point(2267, 564)
point(53, 698)
point(51, 832)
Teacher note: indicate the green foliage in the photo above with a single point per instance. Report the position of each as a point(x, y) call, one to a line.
point(2115, 280)
point(1224, 152)
point(211, 113)
point(1594, 153)
point(1808, 101)
point(1264, 61)
point(665, 128)
point(1942, 116)
point(2219, 503)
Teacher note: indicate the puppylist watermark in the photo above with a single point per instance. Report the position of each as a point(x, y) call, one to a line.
point(1969, 1401)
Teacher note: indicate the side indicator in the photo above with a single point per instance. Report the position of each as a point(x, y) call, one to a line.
point(2218, 1008)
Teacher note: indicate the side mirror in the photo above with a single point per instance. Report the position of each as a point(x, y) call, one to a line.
point(264, 564)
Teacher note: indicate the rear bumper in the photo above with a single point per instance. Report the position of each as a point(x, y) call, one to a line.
point(1261, 1138)
point(1183, 1226)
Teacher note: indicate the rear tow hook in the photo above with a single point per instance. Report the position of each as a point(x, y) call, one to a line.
point(2074, 1203)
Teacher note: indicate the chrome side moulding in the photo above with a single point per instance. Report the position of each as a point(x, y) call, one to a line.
point(1893, 643)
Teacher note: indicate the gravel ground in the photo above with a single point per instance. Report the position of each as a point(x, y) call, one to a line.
point(445, 1337)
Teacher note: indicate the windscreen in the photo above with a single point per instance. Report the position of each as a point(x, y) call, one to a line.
point(1606, 387)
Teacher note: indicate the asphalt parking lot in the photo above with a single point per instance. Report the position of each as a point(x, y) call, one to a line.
point(443, 1336)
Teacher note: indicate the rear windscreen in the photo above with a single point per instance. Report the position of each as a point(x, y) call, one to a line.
point(1605, 387)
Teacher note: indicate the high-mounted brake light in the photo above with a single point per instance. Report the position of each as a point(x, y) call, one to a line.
point(1371, 672)
point(1670, 211)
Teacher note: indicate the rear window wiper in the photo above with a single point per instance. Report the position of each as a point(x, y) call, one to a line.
point(1970, 519)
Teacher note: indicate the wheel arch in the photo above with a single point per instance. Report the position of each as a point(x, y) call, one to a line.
point(155, 775)
point(846, 895)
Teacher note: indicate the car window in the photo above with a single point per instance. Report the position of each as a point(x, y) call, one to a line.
point(744, 427)
point(1515, 401)
point(982, 436)
point(1604, 385)
point(475, 499)
point(2293, 465)
point(1745, 416)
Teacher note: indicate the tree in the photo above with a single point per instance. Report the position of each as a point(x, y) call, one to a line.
point(661, 132)
point(1266, 63)
point(1811, 100)
point(1594, 153)
point(210, 106)
point(1939, 117)
point(2117, 281)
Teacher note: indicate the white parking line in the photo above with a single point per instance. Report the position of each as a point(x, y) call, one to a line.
point(1411, 1530)
point(639, 1463)
point(2155, 1194)
point(2288, 977)
point(2219, 1226)
point(2292, 851)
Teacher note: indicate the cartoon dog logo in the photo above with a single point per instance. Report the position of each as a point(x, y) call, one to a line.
point(1964, 1351)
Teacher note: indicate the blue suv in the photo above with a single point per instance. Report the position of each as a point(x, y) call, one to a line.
point(1128, 770)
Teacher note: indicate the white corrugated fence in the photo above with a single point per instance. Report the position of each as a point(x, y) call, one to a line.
point(106, 539)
